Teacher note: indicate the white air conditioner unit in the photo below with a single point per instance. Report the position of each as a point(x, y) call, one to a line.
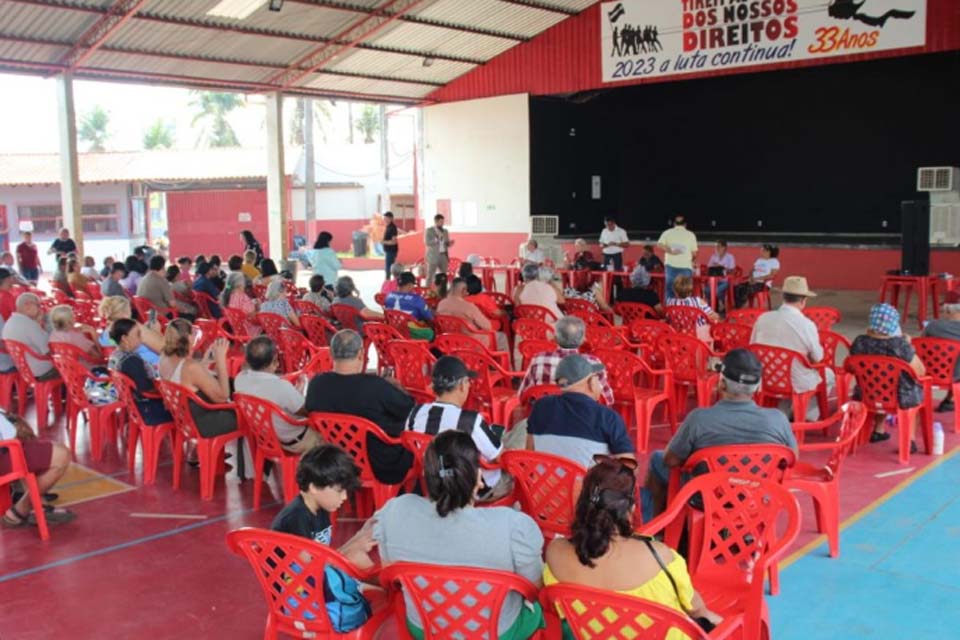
point(943, 185)
point(544, 230)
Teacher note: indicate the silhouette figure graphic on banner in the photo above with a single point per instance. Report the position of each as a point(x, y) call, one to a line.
point(849, 9)
point(634, 40)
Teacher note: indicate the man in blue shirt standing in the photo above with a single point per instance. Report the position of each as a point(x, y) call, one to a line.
point(412, 304)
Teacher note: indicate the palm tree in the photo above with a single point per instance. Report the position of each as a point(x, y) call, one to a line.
point(93, 128)
point(213, 110)
point(369, 123)
point(321, 116)
point(159, 135)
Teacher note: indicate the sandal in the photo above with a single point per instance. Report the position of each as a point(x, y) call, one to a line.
point(54, 515)
point(15, 520)
point(876, 436)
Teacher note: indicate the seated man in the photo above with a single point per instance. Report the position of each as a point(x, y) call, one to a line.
point(734, 419)
point(456, 304)
point(261, 380)
point(26, 326)
point(947, 326)
point(111, 284)
point(569, 334)
point(155, 287)
point(532, 252)
point(788, 328)
point(537, 292)
point(347, 389)
point(48, 460)
point(451, 383)
point(573, 424)
point(412, 304)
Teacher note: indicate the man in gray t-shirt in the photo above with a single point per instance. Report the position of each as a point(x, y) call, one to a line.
point(735, 419)
point(947, 327)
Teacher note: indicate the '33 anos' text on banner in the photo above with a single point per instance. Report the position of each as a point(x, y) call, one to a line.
point(649, 38)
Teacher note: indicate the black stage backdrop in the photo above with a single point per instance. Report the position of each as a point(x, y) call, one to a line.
point(830, 149)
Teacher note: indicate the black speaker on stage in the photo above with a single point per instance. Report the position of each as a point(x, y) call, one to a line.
point(915, 233)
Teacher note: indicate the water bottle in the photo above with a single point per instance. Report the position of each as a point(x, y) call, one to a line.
point(937, 439)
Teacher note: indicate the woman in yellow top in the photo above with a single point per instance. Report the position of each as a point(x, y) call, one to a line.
point(603, 555)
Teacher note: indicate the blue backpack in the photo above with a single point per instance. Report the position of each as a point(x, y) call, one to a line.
point(346, 606)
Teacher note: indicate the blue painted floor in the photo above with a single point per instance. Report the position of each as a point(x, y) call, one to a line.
point(897, 577)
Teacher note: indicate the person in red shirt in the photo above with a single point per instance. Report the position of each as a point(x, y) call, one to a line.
point(8, 301)
point(28, 258)
point(487, 305)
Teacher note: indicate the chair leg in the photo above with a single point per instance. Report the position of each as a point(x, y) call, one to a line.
point(905, 418)
point(41, 394)
point(133, 434)
point(152, 439)
point(178, 442)
point(831, 517)
point(208, 469)
point(34, 489)
point(290, 488)
point(956, 405)
point(258, 460)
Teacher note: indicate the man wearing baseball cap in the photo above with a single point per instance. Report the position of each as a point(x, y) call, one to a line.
point(947, 326)
point(788, 328)
point(734, 419)
point(574, 424)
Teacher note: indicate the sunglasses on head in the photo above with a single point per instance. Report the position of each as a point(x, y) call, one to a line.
point(626, 463)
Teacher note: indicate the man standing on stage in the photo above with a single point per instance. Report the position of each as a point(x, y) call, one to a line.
point(613, 240)
point(679, 248)
point(438, 243)
point(390, 243)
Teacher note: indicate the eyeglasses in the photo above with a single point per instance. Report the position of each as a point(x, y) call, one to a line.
point(625, 463)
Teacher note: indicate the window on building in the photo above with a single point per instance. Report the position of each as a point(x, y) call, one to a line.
point(48, 218)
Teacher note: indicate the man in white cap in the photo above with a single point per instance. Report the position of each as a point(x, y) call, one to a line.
point(788, 328)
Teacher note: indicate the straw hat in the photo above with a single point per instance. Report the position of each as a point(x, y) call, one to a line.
point(797, 285)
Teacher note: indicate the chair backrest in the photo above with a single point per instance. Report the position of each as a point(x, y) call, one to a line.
point(305, 307)
point(532, 329)
point(537, 391)
point(648, 332)
point(144, 307)
point(447, 343)
point(290, 570)
point(686, 356)
point(94, 291)
point(548, 487)
point(777, 380)
point(177, 400)
point(939, 357)
point(831, 343)
point(579, 304)
point(238, 321)
point(399, 321)
point(319, 330)
point(85, 311)
point(503, 300)
point(852, 417)
point(350, 434)
point(823, 317)
point(591, 318)
point(488, 378)
point(127, 396)
point(631, 311)
point(257, 417)
point(534, 311)
point(599, 337)
point(729, 336)
point(204, 301)
point(685, 319)
point(347, 316)
point(380, 299)
point(600, 613)
point(766, 461)
point(18, 353)
point(879, 379)
point(379, 334)
point(453, 602)
point(530, 348)
point(623, 371)
point(413, 363)
point(208, 330)
point(272, 323)
point(295, 350)
point(450, 324)
point(745, 316)
point(68, 359)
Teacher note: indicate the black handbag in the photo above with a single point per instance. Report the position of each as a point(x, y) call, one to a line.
point(704, 624)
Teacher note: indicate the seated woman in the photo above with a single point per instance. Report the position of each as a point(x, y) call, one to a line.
point(136, 269)
point(683, 297)
point(235, 296)
point(89, 269)
point(764, 271)
point(639, 289)
point(178, 365)
point(113, 308)
point(446, 529)
point(540, 289)
point(721, 263)
point(347, 294)
point(65, 329)
point(181, 291)
point(320, 294)
point(126, 334)
point(438, 289)
point(61, 279)
point(603, 553)
point(268, 272)
point(884, 338)
point(276, 302)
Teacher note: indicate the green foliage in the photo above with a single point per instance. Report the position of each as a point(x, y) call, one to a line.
point(93, 129)
point(158, 136)
point(212, 110)
point(321, 117)
point(369, 123)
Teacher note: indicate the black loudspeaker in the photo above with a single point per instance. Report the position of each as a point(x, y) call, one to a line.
point(915, 232)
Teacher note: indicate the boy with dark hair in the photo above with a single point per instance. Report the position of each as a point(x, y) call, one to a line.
point(325, 476)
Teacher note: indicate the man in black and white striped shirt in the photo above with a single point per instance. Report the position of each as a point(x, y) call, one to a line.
point(451, 383)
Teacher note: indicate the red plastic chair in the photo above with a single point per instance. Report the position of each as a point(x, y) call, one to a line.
point(318, 329)
point(44, 391)
point(295, 349)
point(453, 602)
point(352, 434)
point(692, 364)
point(822, 482)
point(878, 378)
point(177, 398)
point(599, 613)
point(776, 382)
point(413, 363)
point(832, 343)
point(760, 299)
point(745, 316)
point(290, 570)
point(257, 417)
point(447, 343)
point(94, 291)
point(85, 312)
point(380, 299)
point(150, 436)
point(939, 357)
point(647, 334)
point(379, 334)
point(632, 381)
point(728, 336)
point(9, 381)
point(347, 316)
point(399, 320)
point(547, 487)
point(306, 308)
point(741, 541)
point(205, 304)
point(19, 471)
point(630, 311)
point(101, 418)
point(145, 306)
point(240, 323)
point(823, 317)
point(273, 324)
point(529, 349)
point(570, 305)
point(532, 329)
point(534, 312)
point(492, 388)
point(592, 318)
point(453, 324)
point(685, 319)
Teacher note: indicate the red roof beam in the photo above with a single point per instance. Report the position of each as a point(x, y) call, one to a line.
point(93, 38)
point(543, 6)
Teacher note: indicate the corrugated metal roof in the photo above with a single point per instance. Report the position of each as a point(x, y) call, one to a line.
point(188, 165)
point(176, 42)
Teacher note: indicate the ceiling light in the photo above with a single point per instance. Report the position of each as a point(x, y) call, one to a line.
point(236, 9)
point(276, 5)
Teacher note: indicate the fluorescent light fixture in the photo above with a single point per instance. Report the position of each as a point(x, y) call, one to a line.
point(276, 5)
point(236, 9)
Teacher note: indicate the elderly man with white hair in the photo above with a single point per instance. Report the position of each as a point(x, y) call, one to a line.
point(532, 252)
point(534, 291)
point(26, 326)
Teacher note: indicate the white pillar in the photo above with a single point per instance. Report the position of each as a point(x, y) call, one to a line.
point(276, 184)
point(69, 167)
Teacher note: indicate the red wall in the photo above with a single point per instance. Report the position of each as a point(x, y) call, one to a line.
point(342, 231)
point(566, 59)
point(206, 221)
